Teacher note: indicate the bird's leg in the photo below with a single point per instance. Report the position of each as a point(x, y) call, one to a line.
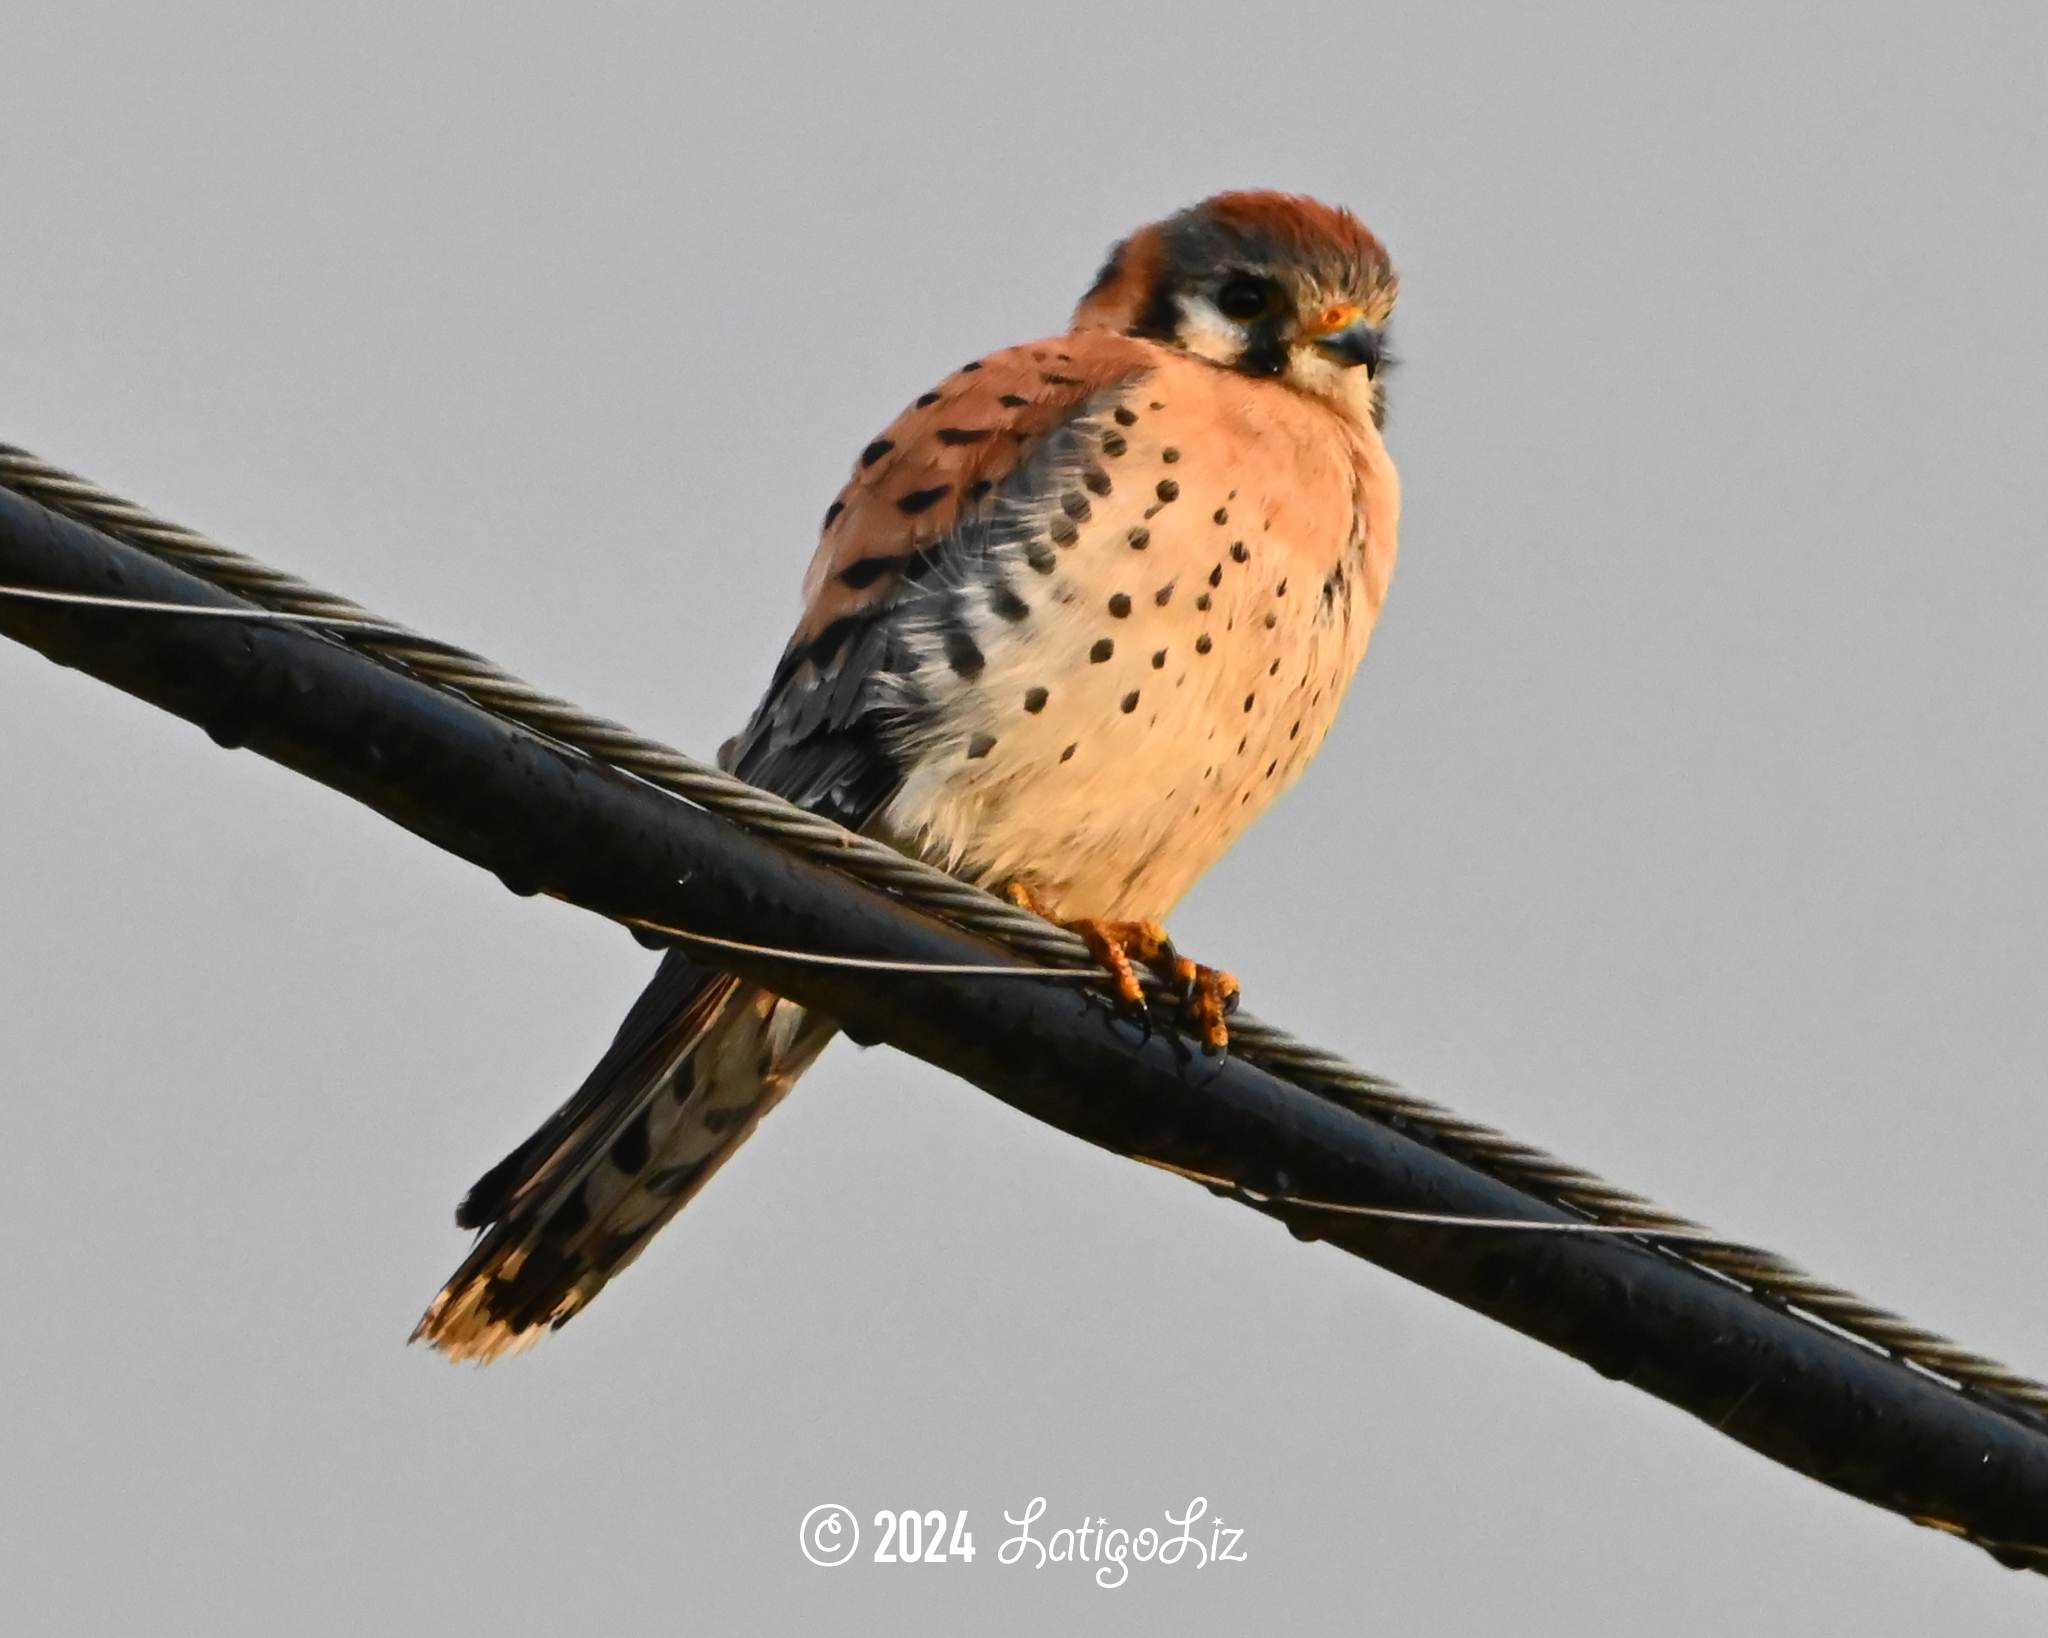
point(1208, 995)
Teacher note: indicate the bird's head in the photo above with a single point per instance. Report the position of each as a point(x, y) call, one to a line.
point(1269, 284)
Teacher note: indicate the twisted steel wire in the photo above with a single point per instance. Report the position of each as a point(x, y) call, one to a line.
point(445, 666)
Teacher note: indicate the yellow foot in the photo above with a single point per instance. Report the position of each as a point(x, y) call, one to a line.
point(1207, 995)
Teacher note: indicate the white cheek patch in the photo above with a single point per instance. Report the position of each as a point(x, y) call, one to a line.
point(1206, 333)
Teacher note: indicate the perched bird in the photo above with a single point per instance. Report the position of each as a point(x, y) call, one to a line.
point(1079, 615)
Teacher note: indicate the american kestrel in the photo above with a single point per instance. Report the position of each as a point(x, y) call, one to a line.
point(1079, 615)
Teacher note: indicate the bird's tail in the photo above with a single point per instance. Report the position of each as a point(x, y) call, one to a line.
point(699, 1060)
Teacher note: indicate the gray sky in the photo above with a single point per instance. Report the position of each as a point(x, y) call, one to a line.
point(1686, 817)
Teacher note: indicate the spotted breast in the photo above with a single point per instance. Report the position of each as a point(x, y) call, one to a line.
point(1102, 665)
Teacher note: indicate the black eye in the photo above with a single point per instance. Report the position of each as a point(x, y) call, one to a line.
point(1244, 297)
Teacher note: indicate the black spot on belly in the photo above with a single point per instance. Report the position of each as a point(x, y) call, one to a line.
point(1164, 594)
point(1237, 549)
point(1222, 515)
point(1294, 730)
point(1157, 405)
point(1113, 443)
point(1169, 455)
point(1067, 754)
point(1280, 590)
point(980, 746)
point(1159, 661)
point(1075, 505)
point(1140, 538)
point(978, 488)
point(1052, 380)
point(1273, 670)
point(1120, 606)
point(1248, 700)
point(1272, 620)
point(876, 450)
point(1039, 556)
point(1124, 417)
point(962, 435)
point(1203, 602)
point(1011, 401)
point(1130, 702)
point(963, 655)
point(1168, 490)
point(832, 512)
point(1034, 700)
point(1216, 575)
point(1096, 479)
point(1008, 604)
point(1101, 651)
point(1063, 532)
point(923, 500)
point(1203, 644)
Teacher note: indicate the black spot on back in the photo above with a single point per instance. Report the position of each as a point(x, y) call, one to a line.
point(832, 512)
point(923, 500)
point(1011, 401)
point(876, 450)
point(868, 570)
point(927, 399)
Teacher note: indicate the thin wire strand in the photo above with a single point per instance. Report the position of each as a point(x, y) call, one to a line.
point(1395, 1214)
point(35, 594)
point(872, 964)
point(968, 907)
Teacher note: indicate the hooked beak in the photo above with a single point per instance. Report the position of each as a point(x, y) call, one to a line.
point(1353, 342)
